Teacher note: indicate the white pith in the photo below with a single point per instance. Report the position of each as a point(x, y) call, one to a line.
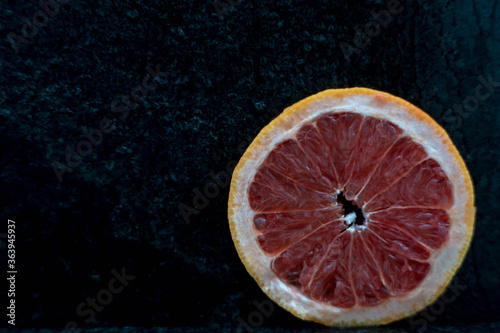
point(350, 218)
point(444, 261)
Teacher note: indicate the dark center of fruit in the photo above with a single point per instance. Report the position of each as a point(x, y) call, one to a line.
point(351, 207)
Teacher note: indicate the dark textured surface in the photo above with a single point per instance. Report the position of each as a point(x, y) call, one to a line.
point(483, 328)
point(226, 79)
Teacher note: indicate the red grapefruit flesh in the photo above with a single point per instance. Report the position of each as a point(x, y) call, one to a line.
point(381, 256)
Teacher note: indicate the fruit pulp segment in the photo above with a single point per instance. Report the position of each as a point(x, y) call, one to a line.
point(403, 194)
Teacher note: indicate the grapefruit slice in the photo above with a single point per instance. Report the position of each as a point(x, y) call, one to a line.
point(353, 207)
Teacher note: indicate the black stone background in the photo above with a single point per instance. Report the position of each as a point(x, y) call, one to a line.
point(226, 79)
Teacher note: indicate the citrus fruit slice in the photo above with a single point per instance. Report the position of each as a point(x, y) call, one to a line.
point(353, 207)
